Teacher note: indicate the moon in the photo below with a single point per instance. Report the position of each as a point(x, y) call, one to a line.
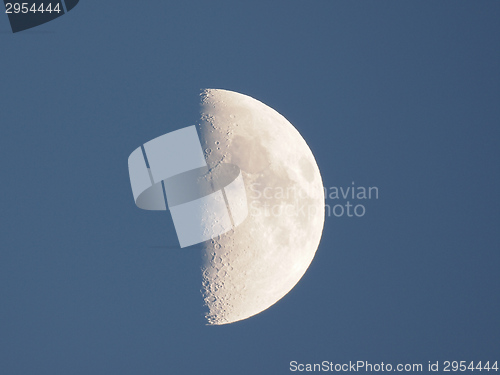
point(251, 267)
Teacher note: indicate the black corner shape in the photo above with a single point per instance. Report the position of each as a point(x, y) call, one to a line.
point(27, 14)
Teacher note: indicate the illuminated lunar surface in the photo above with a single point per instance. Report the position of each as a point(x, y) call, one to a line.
point(253, 266)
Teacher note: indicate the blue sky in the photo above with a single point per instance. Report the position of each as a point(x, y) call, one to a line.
point(398, 95)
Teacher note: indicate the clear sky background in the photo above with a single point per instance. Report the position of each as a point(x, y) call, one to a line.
point(402, 95)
